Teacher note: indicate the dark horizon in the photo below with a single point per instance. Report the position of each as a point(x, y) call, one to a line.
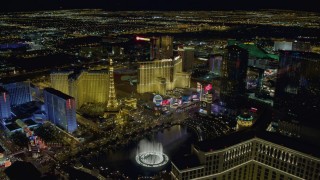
point(156, 5)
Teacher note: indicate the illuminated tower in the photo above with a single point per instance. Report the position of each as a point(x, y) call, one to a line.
point(112, 100)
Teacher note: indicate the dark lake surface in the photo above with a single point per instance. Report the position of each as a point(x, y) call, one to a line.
point(176, 139)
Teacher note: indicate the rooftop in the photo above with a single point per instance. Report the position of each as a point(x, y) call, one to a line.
point(58, 93)
point(303, 55)
point(245, 116)
point(238, 137)
point(254, 51)
point(30, 122)
point(258, 131)
point(27, 109)
point(3, 89)
point(12, 126)
point(186, 161)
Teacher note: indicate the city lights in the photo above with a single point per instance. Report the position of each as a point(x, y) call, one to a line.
point(159, 90)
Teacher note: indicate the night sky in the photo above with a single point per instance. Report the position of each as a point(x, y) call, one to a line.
point(21, 5)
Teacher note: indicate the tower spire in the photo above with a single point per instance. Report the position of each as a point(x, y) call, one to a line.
point(112, 100)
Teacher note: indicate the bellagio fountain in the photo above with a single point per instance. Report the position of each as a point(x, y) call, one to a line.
point(150, 154)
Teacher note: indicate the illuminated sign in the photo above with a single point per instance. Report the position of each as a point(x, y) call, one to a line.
point(142, 39)
point(254, 110)
point(157, 100)
point(166, 102)
point(208, 87)
point(4, 97)
point(69, 103)
point(176, 58)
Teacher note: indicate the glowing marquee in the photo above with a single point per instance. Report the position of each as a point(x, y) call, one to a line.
point(142, 39)
point(208, 87)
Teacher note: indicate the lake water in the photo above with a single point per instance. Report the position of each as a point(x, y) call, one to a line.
point(175, 139)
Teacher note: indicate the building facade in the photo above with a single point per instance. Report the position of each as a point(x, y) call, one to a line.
point(254, 158)
point(5, 108)
point(244, 120)
point(161, 47)
point(187, 55)
point(233, 75)
point(292, 46)
point(234, 70)
point(298, 82)
point(86, 86)
point(60, 81)
point(60, 109)
point(215, 64)
point(20, 92)
point(162, 75)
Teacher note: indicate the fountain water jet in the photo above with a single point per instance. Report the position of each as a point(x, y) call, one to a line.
point(150, 154)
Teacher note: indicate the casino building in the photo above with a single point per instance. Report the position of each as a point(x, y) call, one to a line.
point(61, 109)
point(249, 155)
point(20, 92)
point(162, 75)
point(85, 86)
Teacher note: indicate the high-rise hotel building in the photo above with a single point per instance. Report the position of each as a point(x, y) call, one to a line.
point(234, 70)
point(20, 92)
point(161, 47)
point(60, 109)
point(89, 86)
point(162, 75)
point(249, 155)
point(86, 86)
point(187, 54)
point(60, 81)
point(298, 80)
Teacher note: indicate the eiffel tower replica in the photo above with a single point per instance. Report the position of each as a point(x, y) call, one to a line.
point(112, 104)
